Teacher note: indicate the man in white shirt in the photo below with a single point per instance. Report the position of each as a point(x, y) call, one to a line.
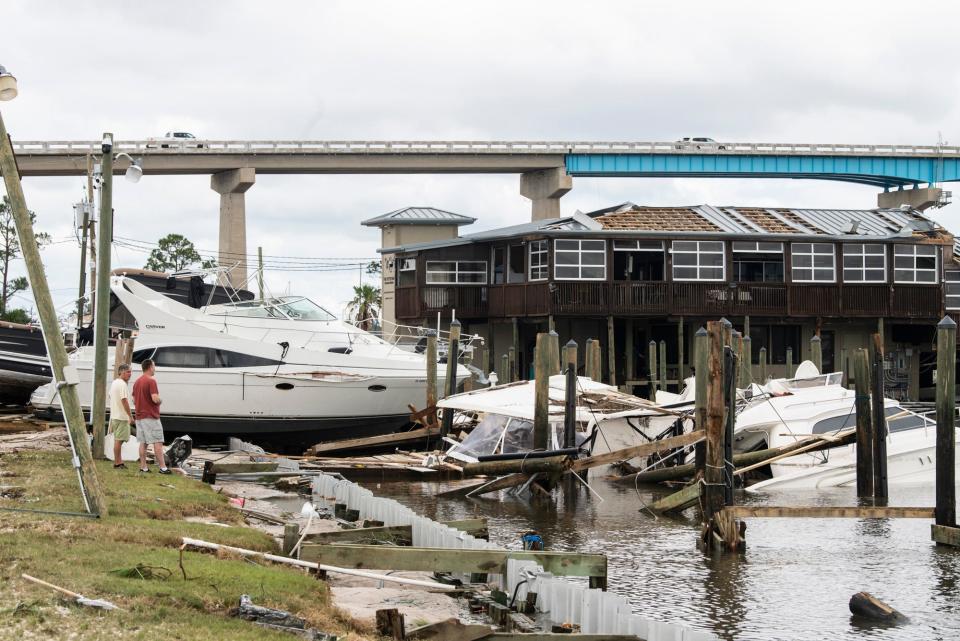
point(120, 415)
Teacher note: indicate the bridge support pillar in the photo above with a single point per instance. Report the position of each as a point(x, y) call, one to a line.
point(232, 185)
point(918, 198)
point(545, 188)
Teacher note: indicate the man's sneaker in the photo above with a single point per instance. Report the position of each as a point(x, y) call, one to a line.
point(144, 469)
point(165, 470)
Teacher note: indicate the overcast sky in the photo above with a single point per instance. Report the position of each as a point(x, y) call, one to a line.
point(845, 72)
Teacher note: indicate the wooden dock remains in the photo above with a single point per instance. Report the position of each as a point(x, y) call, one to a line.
point(945, 530)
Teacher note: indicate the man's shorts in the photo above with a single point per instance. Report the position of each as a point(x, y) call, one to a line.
point(120, 429)
point(149, 430)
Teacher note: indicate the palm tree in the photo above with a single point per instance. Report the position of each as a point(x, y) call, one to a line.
point(365, 305)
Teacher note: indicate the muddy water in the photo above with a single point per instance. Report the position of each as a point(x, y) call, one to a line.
point(794, 582)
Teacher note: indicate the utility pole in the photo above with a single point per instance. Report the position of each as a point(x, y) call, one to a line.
point(92, 227)
point(101, 325)
point(81, 290)
point(260, 271)
point(62, 373)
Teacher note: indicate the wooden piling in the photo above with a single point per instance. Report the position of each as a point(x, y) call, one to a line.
point(514, 374)
point(511, 365)
point(504, 374)
point(431, 356)
point(745, 358)
point(662, 365)
point(681, 373)
point(789, 372)
point(570, 406)
point(611, 353)
point(730, 370)
point(816, 352)
point(713, 489)
point(588, 360)
point(291, 532)
point(879, 423)
point(864, 431)
point(652, 366)
point(597, 360)
point(763, 365)
point(555, 361)
point(629, 355)
point(541, 369)
point(946, 508)
point(453, 351)
point(701, 347)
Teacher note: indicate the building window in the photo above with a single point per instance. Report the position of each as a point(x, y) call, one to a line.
point(517, 269)
point(580, 259)
point(864, 263)
point(757, 262)
point(406, 272)
point(698, 260)
point(456, 272)
point(813, 263)
point(914, 264)
point(539, 269)
point(638, 260)
point(498, 264)
point(951, 289)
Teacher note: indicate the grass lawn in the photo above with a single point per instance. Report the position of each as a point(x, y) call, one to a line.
point(144, 526)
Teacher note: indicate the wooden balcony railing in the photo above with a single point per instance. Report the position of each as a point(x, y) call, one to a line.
point(639, 298)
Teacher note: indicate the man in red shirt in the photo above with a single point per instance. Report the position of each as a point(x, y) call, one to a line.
point(146, 401)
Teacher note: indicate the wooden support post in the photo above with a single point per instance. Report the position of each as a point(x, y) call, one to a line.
point(598, 360)
point(570, 406)
point(390, 624)
point(611, 353)
point(588, 360)
point(746, 326)
point(512, 370)
point(504, 374)
point(652, 366)
point(701, 357)
point(515, 363)
point(789, 372)
point(845, 378)
point(816, 352)
point(879, 423)
point(662, 365)
point(763, 365)
point(681, 370)
point(56, 352)
point(629, 371)
point(745, 358)
point(727, 330)
point(713, 491)
point(453, 352)
point(730, 370)
point(291, 532)
point(541, 374)
point(864, 432)
point(555, 362)
point(209, 476)
point(431, 358)
point(880, 331)
point(946, 510)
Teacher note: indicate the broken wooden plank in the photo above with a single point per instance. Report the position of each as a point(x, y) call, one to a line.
point(945, 535)
point(244, 468)
point(382, 440)
point(463, 561)
point(646, 449)
point(828, 512)
point(474, 527)
point(681, 500)
point(397, 534)
point(549, 465)
point(450, 630)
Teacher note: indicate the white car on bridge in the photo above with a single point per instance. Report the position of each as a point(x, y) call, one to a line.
point(175, 139)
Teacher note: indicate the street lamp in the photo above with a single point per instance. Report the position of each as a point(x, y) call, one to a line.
point(64, 375)
point(8, 85)
point(135, 170)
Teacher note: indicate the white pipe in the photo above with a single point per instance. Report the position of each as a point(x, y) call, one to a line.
point(197, 543)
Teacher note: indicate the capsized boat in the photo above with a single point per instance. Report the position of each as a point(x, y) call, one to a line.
point(607, 419)
point(218, 378)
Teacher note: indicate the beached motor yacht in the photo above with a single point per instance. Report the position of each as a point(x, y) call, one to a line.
point(23, 361)
point(260, 382)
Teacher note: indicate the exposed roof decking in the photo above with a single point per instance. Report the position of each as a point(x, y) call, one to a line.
point(657, 219)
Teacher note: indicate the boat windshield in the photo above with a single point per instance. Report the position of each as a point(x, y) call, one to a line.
point(292, 307)
point(300, 308)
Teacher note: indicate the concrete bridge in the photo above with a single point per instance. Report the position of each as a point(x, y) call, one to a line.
point(546, 168)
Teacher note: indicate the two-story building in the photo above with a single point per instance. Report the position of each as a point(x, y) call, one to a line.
point(628, 274)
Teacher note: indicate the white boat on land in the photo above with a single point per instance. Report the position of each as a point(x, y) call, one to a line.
point(281, 370)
